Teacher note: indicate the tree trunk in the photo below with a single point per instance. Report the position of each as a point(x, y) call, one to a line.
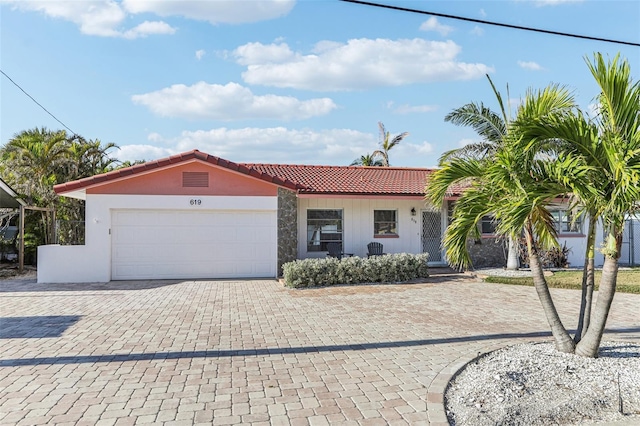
point(513, 261)
point(588, 281)
point(590, 343)
point(563, 340)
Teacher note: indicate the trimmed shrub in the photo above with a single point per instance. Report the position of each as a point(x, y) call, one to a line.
point(355, 270)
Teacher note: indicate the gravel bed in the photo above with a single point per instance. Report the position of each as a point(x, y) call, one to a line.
point(533, 384)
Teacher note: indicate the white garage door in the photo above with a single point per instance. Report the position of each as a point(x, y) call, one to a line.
point(157, 244)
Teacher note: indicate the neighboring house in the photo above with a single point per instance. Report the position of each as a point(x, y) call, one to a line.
point(194, 215)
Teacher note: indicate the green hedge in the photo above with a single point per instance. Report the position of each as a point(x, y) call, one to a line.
point(355, 270)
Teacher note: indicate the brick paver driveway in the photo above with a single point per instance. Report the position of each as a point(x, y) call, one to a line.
point(253, 352)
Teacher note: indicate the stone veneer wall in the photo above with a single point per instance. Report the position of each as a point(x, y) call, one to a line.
point(287, 227)
point(488, 252)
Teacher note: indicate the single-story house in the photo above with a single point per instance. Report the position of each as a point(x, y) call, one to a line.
point(194, 215)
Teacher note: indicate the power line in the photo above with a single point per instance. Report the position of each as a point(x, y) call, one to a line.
point(498, 24)
point(38, 103)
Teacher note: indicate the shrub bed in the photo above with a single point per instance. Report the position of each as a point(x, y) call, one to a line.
point(355, 270)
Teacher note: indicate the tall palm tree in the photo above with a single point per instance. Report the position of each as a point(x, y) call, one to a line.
point(387, 143)
point(515, 186)
point(367, 160)
point(574, 136)
point(619, 122)
point(609, 147)
point(493, 128)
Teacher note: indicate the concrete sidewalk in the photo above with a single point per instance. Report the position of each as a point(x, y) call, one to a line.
point(254, 352)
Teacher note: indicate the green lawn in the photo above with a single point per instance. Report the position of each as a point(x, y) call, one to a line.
point(628, 280)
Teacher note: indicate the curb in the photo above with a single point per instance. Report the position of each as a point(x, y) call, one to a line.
point(435, 393)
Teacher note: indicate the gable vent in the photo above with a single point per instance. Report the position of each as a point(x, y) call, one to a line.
point(195, 179)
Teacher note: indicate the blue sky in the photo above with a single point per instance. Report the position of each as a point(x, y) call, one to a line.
point(288, 81)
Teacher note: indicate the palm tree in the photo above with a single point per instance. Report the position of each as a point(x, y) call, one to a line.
point(619, 123)
point(493, 128)
point(88, 158)
point(574, 136)
point(33, 161)
point(515, 186)
point(609, 147)
point(387, 143)
point(553, 152)
point(367, 160)
point(30, 161)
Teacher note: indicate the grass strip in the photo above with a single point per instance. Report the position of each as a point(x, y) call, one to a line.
point(628, 280)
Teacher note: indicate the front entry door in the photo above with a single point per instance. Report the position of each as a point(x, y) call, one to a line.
point(432, 235)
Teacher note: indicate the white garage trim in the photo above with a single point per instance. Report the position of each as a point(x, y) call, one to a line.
point(167, 244)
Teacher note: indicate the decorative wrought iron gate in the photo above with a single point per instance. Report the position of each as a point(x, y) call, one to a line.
point(432, 235)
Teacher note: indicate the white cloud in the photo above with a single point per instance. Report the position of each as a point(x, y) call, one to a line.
point(530, 65)
point(410, 109)
point(257, 53)
point(229, 102)
point(143, 152)
point(149, 28)
point(478, 31)
point(409, 151)
point(106, 18)
point(200, 53)
point(99, 18)
point(262, 145)
point(432, 24)
point(214, 11)
point(154, 137)
point(275, 145)
point(357, 64)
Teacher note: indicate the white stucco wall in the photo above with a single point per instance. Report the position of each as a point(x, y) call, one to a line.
point(358, 224)
point(92, 261)
point(578, 245)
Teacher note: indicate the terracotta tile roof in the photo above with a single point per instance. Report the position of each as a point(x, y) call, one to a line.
point(351, 180)
point(305, 179)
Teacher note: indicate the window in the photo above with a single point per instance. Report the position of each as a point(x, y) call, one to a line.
point(385, 222)
point(566, 222)
point(323, 226)
point(488, 225)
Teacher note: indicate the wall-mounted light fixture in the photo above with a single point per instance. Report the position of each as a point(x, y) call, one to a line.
point(413, 211)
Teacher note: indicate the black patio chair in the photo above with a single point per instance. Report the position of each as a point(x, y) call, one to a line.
point(375, 249)
point(335, 250)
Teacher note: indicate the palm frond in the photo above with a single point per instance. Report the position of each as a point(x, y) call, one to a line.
point(456, 171)
point(489, 125)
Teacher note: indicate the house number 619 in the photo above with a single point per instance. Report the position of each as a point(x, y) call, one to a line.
point(195, 201)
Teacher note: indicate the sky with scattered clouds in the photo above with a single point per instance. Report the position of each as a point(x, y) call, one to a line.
point(286, 81)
